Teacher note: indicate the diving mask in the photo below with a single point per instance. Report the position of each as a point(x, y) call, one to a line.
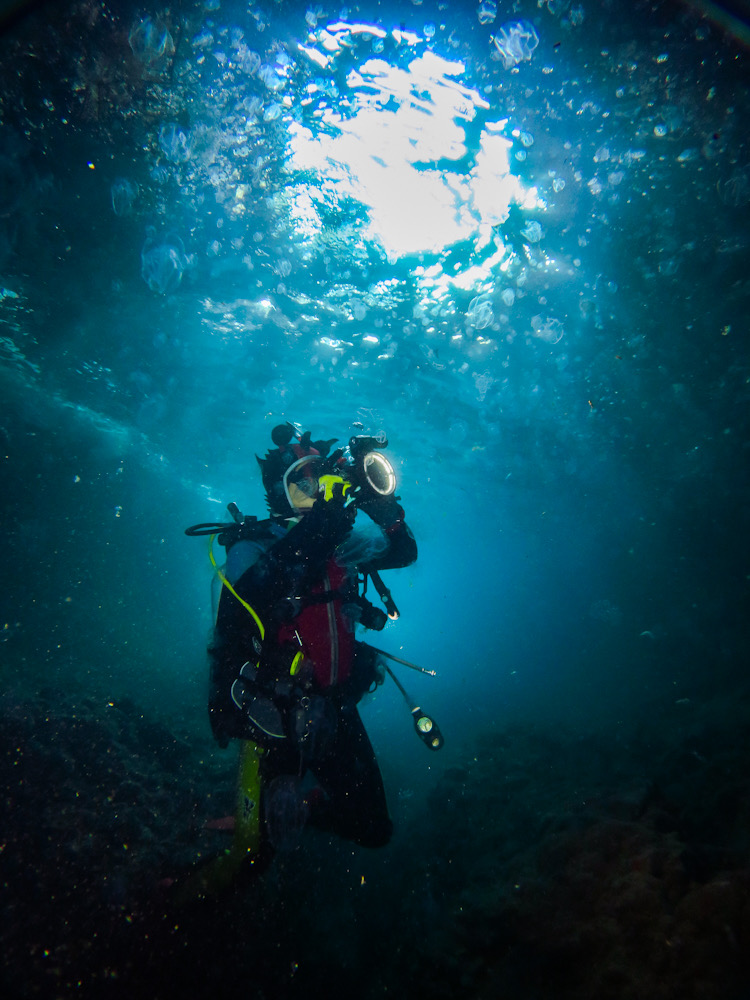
point(301, 482)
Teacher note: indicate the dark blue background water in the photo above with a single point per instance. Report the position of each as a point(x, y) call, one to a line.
point(581, 504)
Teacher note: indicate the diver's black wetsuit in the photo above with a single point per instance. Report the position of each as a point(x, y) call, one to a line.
point(302, 582)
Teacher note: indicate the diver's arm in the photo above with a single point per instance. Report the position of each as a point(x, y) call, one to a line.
point(401, 551)
point(288, 567)
point(388, 514)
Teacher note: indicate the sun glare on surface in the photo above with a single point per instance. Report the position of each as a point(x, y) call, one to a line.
point(396, 143)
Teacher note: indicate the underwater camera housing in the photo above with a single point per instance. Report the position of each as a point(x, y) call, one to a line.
point(367, 467)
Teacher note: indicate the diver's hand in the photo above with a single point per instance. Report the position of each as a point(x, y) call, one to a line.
point(331, 515)
point(334, 487)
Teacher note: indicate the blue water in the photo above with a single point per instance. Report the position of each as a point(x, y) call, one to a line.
point(215, 217)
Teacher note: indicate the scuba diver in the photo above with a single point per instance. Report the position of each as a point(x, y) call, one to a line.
point(286, 671)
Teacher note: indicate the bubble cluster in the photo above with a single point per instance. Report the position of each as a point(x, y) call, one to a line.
point(150, 42)
point(487, 11)
point(123, 193)
point(480, 313)
point(174, 142)
point(605, 611)
point(735, 191)
point(548, 329)
point(515, 42)
point(162, 262)
point(483, 383)
point(532, 231)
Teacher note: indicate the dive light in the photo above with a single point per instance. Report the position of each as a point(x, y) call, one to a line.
point(425, 726)
point(364, 464)
point(427, 729)
point(370, 467)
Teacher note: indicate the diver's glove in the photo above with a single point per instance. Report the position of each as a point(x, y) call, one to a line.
point(330, 517)
point(295, 561)
point(370, 616)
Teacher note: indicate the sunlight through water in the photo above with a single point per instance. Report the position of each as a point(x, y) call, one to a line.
point(397, 142)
